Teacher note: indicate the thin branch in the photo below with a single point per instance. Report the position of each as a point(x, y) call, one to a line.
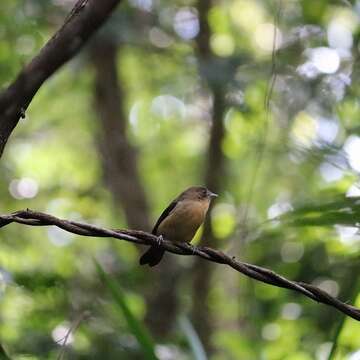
point(84, 19)
point(74, 326)
point(34, 218)
point(262, 142)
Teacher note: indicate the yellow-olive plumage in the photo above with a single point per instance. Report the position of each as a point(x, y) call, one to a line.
point(180, 220)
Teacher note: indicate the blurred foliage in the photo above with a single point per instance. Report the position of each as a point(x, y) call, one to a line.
point(135, 326)
point(301, 218)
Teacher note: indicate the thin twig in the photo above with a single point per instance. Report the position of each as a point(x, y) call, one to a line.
point(74, 326)
point(262, 142)
point(34, 218)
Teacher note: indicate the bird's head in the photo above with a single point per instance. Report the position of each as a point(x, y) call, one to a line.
point(197, 193)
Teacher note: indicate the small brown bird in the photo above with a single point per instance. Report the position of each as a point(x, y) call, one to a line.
point(180, 220)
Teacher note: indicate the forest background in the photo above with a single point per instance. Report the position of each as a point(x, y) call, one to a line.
point(257, 100)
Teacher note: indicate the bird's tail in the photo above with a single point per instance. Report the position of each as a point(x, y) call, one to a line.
point(152, 256)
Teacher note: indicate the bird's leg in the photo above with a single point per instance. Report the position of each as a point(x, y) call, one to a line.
point(159, 240)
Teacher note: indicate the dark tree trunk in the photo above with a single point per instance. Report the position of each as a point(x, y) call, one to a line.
point(203, 270)
point(118, 155)
point(122, 177)
point(214, 173)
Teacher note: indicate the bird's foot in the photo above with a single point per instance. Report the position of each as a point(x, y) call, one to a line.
point(159, 240)
point(193, 248)
point(22, 113)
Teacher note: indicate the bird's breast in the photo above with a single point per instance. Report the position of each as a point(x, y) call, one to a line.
point(182, 223)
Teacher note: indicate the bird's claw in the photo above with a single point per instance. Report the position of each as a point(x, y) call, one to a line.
point(193, 248)
point(159, 240)
point(22, 113)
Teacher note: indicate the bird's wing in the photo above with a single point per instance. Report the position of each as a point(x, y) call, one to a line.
point(164, 215)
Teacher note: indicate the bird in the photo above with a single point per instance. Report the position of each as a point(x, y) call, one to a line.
point(179, 221)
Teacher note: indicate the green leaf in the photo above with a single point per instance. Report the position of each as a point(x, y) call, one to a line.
point(3, 355)
point(192, 338)
point(135, 326)
point(345, 211)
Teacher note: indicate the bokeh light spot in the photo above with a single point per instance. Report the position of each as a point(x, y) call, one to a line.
point(355, 355)
point(304, 129)
point(265, 35)
point(352, 150)
point(222, 44)
point(292, 251)
point(271, 332)
point(159, 38)
point(24, 188)
point(325, 60)
point(223, 219)
point(247, 14)
point(25, 45)
point(278, 209)
point(60, 332)
point(326, 129)
point(348, 234)
point(328, 285)
point(167, 106)
point(291, 311)
point(59, 237)
point(186, 23)
point(339, 36)
point(145, 5)
point(354, 190)
point(330, 172)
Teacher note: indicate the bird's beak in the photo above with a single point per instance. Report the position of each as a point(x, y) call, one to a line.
point(213, 195)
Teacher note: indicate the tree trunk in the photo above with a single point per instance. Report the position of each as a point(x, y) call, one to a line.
point(214, 173)
point(122, 177)
point(202, 272)
point(118, 155)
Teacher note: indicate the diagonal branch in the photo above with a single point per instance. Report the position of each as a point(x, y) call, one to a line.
point(33, 218)
point(84, 19)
